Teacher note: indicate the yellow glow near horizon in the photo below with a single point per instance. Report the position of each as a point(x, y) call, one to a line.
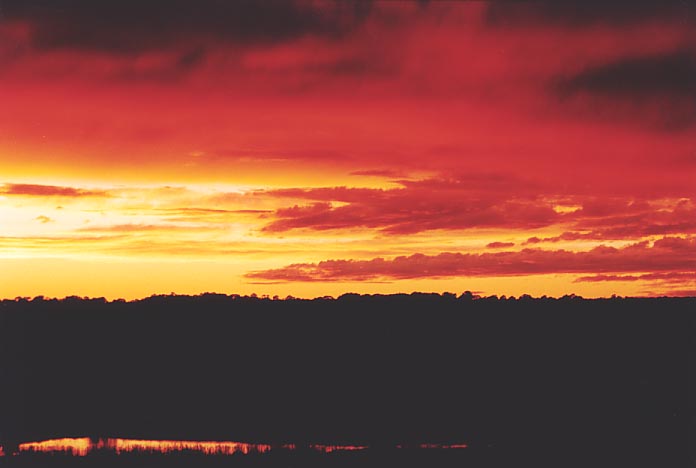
point(133, 240)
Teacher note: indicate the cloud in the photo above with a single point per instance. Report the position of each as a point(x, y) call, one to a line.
point(617, 233)
point(499, 245)
point(659, 90)
point(669, 277)
point(147, 228)
point(669, 254)
point(49, 191)
point(131, 27)
point(209, 215)
point(390, 173)
point(588, 12)
point(671, 74)
point(627, 219)
point(676, 283)
point(649, 217)
point(417, 206)
point(212, 211)
point(43, 219)
point(480, 201)
point(410, 121)
point(678, 293)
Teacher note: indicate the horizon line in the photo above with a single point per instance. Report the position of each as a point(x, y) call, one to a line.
point(466, 295)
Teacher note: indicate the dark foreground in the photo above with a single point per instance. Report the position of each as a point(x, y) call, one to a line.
point(368, 458)
point(562, 383)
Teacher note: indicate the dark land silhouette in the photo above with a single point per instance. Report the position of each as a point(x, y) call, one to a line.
point(523, 382)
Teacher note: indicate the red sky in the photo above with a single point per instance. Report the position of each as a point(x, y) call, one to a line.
point(317, 147)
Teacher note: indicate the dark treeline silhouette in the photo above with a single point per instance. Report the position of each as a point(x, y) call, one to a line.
point(556, 382)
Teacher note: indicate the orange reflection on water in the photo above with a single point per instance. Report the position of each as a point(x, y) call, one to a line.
point(442, 446)
point(337, 448)
point(434, 446)
point(78, 447)
point(167, 446)
point(83, 446)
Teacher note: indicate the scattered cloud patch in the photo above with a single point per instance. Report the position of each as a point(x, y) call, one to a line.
point(49, 191)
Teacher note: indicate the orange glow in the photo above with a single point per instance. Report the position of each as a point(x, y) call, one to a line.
point(168, 446)
point(77, 447)
point(228, 159)
point(434, 446)
point(443, 446)
point(83, 446)
point(337, 448)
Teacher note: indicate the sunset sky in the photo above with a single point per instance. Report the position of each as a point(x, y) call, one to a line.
point(314, 148)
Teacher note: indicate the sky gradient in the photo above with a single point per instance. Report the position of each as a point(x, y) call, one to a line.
point(314, 148)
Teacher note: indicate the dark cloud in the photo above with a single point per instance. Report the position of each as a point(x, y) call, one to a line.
point(587, 12)
point(130, 26)
point(191, 58)
point(636, 77)
point(657, 90)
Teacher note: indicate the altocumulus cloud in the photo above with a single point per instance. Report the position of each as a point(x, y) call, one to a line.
point(668, 254)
